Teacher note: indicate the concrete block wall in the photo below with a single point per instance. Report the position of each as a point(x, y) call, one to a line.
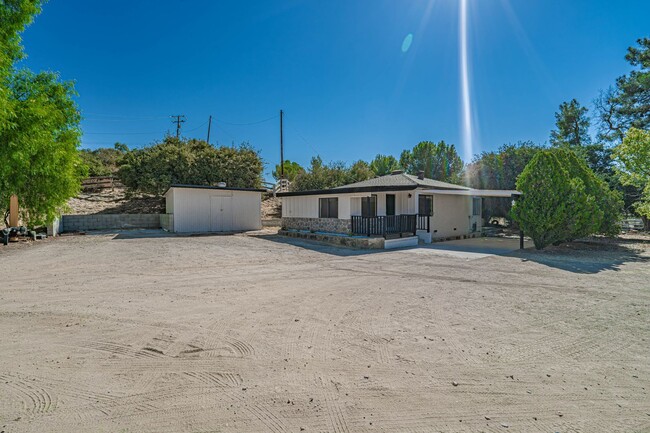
point(167, 221)
point(76, 223)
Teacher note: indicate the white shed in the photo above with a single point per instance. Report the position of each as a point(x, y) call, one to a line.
point(197, 209)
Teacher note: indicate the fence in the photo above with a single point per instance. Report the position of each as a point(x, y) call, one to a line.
point(384, 225)
point(99, 182)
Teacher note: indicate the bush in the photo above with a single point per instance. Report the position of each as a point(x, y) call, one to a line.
point(563, 200)
point(153, 169)
point(103, 161)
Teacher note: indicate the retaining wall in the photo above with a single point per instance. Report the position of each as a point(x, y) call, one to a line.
point(80, 223)
point(167, 221)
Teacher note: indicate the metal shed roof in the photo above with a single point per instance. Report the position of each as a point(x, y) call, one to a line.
point(224, 188)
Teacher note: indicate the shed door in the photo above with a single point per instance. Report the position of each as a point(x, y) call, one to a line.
point(220, 214)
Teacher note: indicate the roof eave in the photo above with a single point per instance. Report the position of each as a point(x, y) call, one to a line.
point(348, 190)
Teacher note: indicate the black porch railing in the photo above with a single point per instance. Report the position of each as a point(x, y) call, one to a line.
point(389, 225)
point(424, 222)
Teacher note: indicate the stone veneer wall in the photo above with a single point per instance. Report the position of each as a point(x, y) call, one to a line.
point(332, 225)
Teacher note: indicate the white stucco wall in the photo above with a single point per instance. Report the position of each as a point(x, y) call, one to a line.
point(193, 209)
point(452, 216)
point(307, 206)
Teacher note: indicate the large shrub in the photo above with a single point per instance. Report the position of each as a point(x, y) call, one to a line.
point(563, 199)
point(153, 169)
point(103, 161)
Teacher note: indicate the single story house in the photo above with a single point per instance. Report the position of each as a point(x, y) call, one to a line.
point(395, 205)
point(199, 209)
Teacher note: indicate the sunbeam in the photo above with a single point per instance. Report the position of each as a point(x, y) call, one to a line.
point(465, 90)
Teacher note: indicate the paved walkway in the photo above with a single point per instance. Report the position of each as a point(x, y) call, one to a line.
point(475, 248)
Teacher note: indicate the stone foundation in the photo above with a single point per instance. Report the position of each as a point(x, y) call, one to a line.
point(374, 243)
point(331, 225)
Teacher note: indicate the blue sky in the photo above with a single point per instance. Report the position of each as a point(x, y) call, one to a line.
point(336, 68)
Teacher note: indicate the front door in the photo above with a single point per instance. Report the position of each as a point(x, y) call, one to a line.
point(220, 214)
point(390, 204)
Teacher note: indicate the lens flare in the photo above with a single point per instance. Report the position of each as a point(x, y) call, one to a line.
point(406, 44)
point(465, 90)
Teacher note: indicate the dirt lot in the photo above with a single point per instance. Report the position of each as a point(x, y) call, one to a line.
point(259, 334)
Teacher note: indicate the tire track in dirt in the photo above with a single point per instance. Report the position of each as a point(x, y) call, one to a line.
point(36, 399)
point(335, 416)
point(119, 349)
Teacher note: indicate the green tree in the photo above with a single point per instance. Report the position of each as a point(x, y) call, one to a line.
point(383, 165)
point(572, 125)
point(38, 146)
point(359, 170)
point(323, 176)
point(499, 170)
point(563, 199)
point(39, 126)
point(439, 161)
point(632, 159)
point(153, 169)
point(627, 105)
point(572, 132)
point(291, 170)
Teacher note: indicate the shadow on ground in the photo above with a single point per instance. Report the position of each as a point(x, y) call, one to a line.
point(321, 247)
point(587, 257)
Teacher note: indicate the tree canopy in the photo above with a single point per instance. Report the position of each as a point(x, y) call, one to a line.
point(153, 169)
point(322, 176)
point(39, 127)
point(572, 126)
point(383, 165)
point(632, 159)
point(499, 170)
point(439, 161)
point(291, 170)
point(627, 105)
point(105, 160)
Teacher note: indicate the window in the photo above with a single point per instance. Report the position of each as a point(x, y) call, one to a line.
point(425, 205)
point(476, 206)
point(369, 206)
point(328, 208)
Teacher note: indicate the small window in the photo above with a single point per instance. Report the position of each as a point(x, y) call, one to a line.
point(328, 208)
point(476, 206)
point(369, 206)
point(425, 205)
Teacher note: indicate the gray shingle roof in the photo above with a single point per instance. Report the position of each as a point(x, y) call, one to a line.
point(402, 179)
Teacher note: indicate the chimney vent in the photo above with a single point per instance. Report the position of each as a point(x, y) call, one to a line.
point(397, 172)
point(421, 174)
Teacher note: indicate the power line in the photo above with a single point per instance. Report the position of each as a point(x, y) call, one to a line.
point(119, 116)
point(247, 123)
point(120, 133)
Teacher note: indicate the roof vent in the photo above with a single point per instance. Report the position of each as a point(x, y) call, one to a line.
point(397, 172)
point(421, 174)
point(221, 184)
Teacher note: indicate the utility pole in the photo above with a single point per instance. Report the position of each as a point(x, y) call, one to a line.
point(281, 147)
point(209, 125)
point(179, 119)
